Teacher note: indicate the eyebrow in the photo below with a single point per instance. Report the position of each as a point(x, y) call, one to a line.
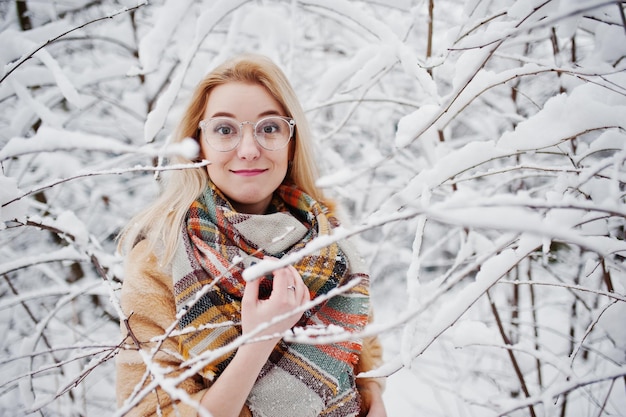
point(260, 115)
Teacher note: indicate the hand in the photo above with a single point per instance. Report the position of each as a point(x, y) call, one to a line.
point(237, 380)
point(372, 404)
point(377, 408)
point(288, 292)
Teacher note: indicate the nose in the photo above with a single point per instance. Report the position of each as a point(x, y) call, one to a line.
point(248, 147)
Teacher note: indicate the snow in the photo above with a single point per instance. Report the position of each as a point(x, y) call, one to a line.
point(610, 321)
point(206, 21)
point(471, 155)
point(267, 265)
point(64, 254)
point(564, 117)
point(610, 47)
point(69, 223)
point(490, 272)
point(341, 176)
point(521, 9)
point(65, 85)
point(418, 121)
point(20, 44)
point(9, 191)
point(472, 333)
point(40, 109)
point(153, 44)
point(188, 148)
point(50, 139)
point(341, 72)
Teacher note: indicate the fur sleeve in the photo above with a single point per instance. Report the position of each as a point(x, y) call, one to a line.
point(371, 358)
point(147, 300)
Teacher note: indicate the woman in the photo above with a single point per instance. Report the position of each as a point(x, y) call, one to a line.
point(186, 300)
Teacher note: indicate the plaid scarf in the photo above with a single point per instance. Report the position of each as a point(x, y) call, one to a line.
point(217, 244)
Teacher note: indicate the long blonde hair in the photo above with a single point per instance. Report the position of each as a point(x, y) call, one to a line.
point(160, 223)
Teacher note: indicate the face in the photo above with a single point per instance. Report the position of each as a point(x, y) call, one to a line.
point(249, 174)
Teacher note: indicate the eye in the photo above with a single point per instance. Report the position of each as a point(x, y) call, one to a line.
point(270, 126)
point(224, 128)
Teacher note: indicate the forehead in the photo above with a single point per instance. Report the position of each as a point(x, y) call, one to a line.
point(242, 101)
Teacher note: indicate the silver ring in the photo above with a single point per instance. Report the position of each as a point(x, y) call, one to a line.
point(291, 287)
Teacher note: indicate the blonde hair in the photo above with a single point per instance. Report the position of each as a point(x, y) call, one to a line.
point(160, 223)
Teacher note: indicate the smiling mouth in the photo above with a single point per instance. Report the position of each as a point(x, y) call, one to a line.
point(248, 172)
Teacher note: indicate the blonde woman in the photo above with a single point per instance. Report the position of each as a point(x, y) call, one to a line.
point(187, 302)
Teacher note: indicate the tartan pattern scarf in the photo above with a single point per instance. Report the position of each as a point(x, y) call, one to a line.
point(217, 244)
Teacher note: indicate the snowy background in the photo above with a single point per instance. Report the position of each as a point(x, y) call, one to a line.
point(478, 147)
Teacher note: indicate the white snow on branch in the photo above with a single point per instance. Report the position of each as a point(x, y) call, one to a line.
point(566, 116)
point(64, 254)
point(49, 139)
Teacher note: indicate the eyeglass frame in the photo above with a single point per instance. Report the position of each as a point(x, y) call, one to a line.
point(290, 121)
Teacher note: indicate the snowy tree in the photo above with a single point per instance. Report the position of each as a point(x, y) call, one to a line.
point(477, 146)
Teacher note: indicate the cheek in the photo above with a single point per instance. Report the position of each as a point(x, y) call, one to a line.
point(283, 160)
point(216, 165)
point(212, 155)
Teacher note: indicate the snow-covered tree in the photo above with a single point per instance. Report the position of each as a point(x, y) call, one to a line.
point(478, 148)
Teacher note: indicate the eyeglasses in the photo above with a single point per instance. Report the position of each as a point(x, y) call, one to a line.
point(224, 133)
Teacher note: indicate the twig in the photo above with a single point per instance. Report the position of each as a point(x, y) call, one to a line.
point(429, 38)
point(533, 309)
point(107, 172)
point(621, 14)
point(76, 381)
point(570, 386)
point(506, 340)
point(50, 41)
point(606, 399)
point(587, 332)
point(23, 16)
point(613, 295)
point(130, 331)
point(101, 348)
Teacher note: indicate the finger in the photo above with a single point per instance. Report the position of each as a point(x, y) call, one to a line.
point(251, 292)
point(277, 281)
point(301, 292)
point(306, 295)
point(297, 278)
point(283, 280)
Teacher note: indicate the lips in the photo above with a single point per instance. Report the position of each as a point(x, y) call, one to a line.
point(248, 172)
